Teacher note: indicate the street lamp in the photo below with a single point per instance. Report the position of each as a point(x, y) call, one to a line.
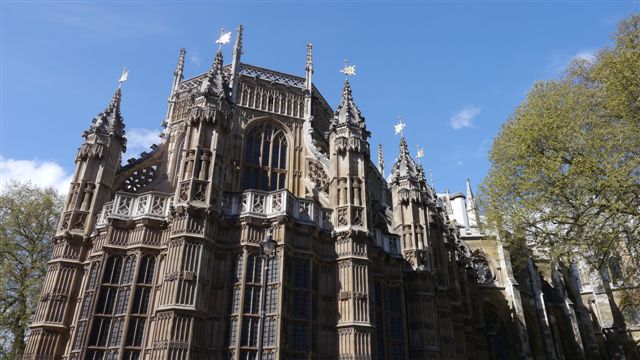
point(267, 249)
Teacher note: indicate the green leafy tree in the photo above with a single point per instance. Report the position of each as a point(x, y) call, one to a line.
point(565, 171)
point(28, 219)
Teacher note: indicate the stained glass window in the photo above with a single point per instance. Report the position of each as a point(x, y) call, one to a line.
point(265, 158)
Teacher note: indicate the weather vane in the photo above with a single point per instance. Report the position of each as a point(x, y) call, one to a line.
point(399, 127)
point(223, 39)
point(420, 153)
point(348, 70)
point(123, 77)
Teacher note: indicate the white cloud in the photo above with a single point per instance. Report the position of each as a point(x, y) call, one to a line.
point(464, 118)
point(100, 20)
point(195, 58)
point(560, 60)
point(40, 173)
point(139, 140)
point(482, 151)
point(585, 55)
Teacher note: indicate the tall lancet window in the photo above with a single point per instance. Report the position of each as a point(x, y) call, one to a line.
point(265, 158)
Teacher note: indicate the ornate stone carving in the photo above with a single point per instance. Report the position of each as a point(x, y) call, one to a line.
point(140, 178)
point(481, 265)
point(316, 173)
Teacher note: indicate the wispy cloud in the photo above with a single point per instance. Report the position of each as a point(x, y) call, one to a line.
point(585, 55)
point(104, 22)
point(464, 117)
point(560, 60)
point(195, 59)
point(482, 150)
point(40, 173)
point(139, 140)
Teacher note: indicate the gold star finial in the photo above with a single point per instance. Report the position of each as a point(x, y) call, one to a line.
point(223, 39)
point(399, 127)
point(348, 70)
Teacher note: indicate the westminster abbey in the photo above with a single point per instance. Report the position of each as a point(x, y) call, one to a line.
point(260, 228)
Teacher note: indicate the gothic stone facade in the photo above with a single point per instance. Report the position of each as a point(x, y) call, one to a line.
point(160, 258)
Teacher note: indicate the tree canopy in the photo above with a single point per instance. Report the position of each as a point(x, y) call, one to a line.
point(28, 219)
point(565, 172)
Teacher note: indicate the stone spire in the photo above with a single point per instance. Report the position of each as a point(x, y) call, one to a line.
point(404, 167)
point(108, 122)
point(308, 84)
point(237, 46)
point(472, 210)
point(178, 73)
point(433, 183)
point(214, 81)
point(308, 67)
point(177, 78)
point(380, 160)
point(235, 61)
point(347, 112)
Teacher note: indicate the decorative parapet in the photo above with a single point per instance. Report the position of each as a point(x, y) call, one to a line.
point(130, 207)
point(270, 204)
point(249, 203)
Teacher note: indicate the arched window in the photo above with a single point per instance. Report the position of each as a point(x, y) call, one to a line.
point(265, 158)
point(498, 339)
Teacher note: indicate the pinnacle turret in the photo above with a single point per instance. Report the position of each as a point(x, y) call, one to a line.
point(178, 73)
point(308, 67)
point(214, 81)
point(380, 160)
point(472, 210)
point(235, 62)
point(347, 112)
point(405, 167)
point(237, 46)
point(110, 121)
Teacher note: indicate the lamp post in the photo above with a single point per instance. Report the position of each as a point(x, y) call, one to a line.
point(267, 249)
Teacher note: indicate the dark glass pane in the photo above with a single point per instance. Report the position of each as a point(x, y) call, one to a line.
point(275, 156)
point(233, 332)
point(274, 270)
point(79, 335)
point(147, 265)
point(93, 275)
point(300, 273)
point(86, 305)
point(283, 155)
point(135, 331)
point(123, 300)
point(300, 305)
point(106, 301)
point(141, 301)
point(299, 335)
point(129, 266)
point(99, 331)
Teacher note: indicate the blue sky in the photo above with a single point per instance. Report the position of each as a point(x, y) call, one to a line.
point(454, 71)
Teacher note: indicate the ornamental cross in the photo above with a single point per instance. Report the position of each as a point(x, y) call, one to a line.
point(420, 153)
point(224, 38)
point(399, 127)
point(348, 70)
point(123, 77)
